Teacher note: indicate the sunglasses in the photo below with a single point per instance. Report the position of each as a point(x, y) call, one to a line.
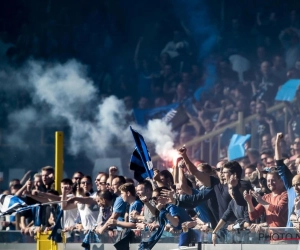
point(77, 178)
point(85, 182)
point(218, 169)
point(266, 170)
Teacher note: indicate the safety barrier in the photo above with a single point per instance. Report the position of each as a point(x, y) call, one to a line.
point(271, 238)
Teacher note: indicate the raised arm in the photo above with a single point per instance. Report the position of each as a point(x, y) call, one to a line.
point(283, 171)
point(183, 182)
point(201, 176)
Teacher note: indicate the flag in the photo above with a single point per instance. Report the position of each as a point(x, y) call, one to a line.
point(125, 237)
point(236, 148)
point(175, 114)
point(142, 116)
point(56, 231)
point(140, 161)
point(10, 203)
point(288, 91)
point(145, 245)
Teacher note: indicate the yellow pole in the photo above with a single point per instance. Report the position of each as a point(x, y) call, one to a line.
point(59, 155)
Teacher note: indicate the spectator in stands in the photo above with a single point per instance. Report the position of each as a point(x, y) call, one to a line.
point(174, 47)
point(119, 207)
point(105, 200)
point(263, 124)
point(296, 149)
point(239, 212)
point(101, 182)
point(77, 176)
point(248, 170)
point(266, 85)
point(266, 142)
point(290, 42)
point(275, 204)
point(128, 195)
point(112, 173)
point(148, 217)
point(285, 175)
point(278, 69)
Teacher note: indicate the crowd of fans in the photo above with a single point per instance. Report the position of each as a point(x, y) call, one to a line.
point(242, 73)
point(196, 198)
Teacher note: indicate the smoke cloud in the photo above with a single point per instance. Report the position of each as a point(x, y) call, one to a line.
point(62, 94)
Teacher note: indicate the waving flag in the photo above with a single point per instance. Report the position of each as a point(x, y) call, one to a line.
point(140, 161)
point(150, 243)
point(10, 203)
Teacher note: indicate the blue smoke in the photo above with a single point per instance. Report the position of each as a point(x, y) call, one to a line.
point(194, 13)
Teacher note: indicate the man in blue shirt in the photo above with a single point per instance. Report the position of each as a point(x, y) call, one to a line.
point(128, 195)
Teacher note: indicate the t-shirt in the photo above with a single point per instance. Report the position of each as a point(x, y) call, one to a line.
point(120, 208)
point(69, 215)
point(148, 216)
point(88, 215)
point(180, 213)
point(137, 205)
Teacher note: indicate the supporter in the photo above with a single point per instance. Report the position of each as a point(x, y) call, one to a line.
point(278, 68)
point(285, 175)
point(101, 182)
point(296, 149)
point(263, 124)
point(266, 85)
point(128, 195)
point(77, 176)
point(119, 206)
point(248, 170)
point(239, 212)
point(69, 216)
point(202, 210)
point(147, 218)
point(105, 200)
point(48, 177)
point(174, 47)
point(275, 204)
point(265, 155)
point(290, 42)
point(175, 216)
point(253, 155)
point(84, 202)
point(266, 142)
point(294, 216)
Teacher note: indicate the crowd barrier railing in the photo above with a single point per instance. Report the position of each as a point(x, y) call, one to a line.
point(268, 235)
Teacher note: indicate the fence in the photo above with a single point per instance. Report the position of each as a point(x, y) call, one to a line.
point(239, 128)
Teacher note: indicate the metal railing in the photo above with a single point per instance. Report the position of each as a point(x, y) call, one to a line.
point(239, 128)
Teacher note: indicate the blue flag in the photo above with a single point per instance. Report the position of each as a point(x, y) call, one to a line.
point(236, 148)
point(140, 161)
point(145, 245)
point(56, 231)
point(10, 203)
point(288, 91)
